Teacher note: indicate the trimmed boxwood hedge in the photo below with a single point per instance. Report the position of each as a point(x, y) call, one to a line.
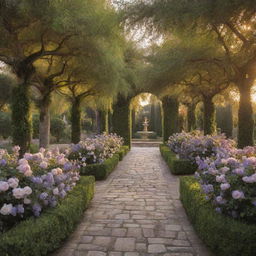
point(177, 166)
point(39, 236)
point(223, 235)
point(123, 151)
point(101, 171)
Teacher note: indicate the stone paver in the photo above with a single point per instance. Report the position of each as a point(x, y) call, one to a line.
point(136, 212)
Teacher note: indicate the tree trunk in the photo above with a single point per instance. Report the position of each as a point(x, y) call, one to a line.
point(45, 123)
point(209, 116)
point(224, 120)
point(21, 118)
point(245, 114)
point(121, 119)
point(103, 121)
point(191, 117)
point(76, 121)
point(170, 117)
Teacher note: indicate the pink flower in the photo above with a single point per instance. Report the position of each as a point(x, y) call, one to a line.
point(13, 182)
point(6, 209)
point(4, 186)
point(236, 194)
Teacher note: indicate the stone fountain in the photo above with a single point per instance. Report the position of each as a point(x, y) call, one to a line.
point(145, 133)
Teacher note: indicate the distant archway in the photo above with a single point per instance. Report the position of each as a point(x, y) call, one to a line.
point(122, 117)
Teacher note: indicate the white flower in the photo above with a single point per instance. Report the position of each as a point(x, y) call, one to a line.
point(4, 186)
point(27, 190)
point(13, 182)
point(24, 167)
point(55, 191)
point(28, 156)
point(23, 161)
point(27, 201)
point(28, 173)
point(54, 171)
point(6, 209)
point(18, 193)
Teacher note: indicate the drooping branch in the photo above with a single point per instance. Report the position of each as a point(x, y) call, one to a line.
point(236, 32)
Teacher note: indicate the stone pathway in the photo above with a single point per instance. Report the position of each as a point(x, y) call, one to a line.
point(136, 212)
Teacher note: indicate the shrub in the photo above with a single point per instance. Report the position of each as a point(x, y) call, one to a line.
point(35, 123)
point(122, 152)
point(39, 236)
point(177, 166)
point(58, 128)
point(95, 150)
point(224, 235)
point(5, 125)
point(101, 171)
point(32, 184)
point(191, 145)
point(230, 185)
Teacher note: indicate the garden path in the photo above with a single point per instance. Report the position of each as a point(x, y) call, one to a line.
point(136, 212)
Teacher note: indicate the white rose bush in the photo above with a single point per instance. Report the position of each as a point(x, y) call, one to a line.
point(227, 175)
point(32, 184)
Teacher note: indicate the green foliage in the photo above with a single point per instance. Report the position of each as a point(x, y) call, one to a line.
point(170, 116)
point(76, 121)
point(101, 171)
point(21, 118)
point(5, 124)
point(224, 119)
point(35, 123)
point(239, 238)
point(177, 166)
point(58, 128)
point(6, 86)
point(124, 150)
point(121, 119)
point(39, 236)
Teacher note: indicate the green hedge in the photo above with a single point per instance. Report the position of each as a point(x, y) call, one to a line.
point(223, 235)
point(39, 236)
point(101, 171)
point(177, 166)
point(124, 150)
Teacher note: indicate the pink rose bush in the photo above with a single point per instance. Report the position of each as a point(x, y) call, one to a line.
point(96, 149)
point(32, 184)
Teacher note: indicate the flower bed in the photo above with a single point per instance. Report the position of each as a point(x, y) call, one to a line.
point(223, 234)
point(177, 166)
point(189, 146)
point(30, 185)
point(98, 156)
point(39, 236)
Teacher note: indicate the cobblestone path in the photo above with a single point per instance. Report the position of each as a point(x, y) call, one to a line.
point(136, 212)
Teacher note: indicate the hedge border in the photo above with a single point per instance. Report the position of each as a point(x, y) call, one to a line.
point(176, 166)
point(39, 236)
point(123, 151)
point(223, 235)
point(101, 171)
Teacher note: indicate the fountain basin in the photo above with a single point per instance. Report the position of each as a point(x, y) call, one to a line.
point(145, 134)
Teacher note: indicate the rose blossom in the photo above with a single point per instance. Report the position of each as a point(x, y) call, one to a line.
point(13, 182)
point(43, 165)
point(6, 209)
point(236, 194)
point(4, 186)
point(224, 186)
